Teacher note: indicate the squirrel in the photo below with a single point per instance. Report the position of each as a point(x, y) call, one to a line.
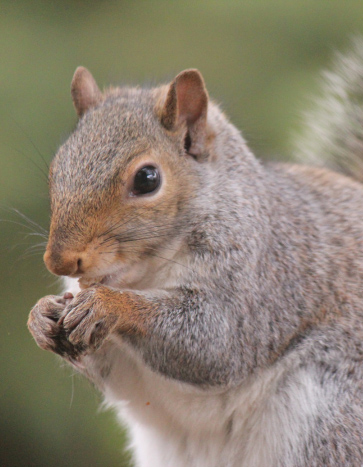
point(215, 301)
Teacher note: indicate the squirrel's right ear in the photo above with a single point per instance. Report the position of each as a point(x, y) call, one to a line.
point(187, 103)
point(84, 90)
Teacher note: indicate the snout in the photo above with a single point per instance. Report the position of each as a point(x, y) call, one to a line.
point(64, 263)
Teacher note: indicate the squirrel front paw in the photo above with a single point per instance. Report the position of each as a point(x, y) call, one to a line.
point(73, 327)
point(87, 320)
point(44, 327)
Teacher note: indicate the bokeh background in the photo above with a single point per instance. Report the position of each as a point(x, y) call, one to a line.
point(260, 59)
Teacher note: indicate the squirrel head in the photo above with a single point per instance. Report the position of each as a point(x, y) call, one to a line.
point(121, 184)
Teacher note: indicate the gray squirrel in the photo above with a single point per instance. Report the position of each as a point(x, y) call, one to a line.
point(216, 302)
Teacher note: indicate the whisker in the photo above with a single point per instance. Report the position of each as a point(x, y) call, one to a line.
point(36, 234)
point(45, 175)
point(25, 227)
point(172, 261)
point(37, 246)
point(125, 222)
point(29, 221)
point(32, 143)
point(141, 230)
point(150, 237)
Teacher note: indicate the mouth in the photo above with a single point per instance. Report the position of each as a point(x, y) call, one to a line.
point(112, 279)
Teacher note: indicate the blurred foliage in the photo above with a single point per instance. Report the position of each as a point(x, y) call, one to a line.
point(259, 59)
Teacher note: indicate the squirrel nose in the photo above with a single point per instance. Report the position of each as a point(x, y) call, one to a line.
point(63, 264)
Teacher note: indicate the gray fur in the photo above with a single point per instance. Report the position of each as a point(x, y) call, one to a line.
point(272, 262)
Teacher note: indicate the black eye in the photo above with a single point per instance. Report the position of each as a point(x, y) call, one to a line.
point(146, 180)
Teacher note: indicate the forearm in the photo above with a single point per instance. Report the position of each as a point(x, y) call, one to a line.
point(185, 337)
point(181, 333)
point(184, 334)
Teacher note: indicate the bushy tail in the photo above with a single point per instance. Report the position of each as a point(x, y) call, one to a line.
point(333, 134)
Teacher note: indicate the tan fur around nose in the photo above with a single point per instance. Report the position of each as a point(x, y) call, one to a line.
point(62, 264)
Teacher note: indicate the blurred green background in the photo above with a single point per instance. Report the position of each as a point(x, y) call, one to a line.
point(260, 59)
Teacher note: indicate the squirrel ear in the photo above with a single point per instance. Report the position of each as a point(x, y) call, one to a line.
point(187, 103)
point(84, 90)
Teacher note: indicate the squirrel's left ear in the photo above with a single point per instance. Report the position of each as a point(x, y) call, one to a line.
point(187, 103)
point(84, 90)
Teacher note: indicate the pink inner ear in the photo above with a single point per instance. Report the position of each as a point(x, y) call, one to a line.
point(191, 98)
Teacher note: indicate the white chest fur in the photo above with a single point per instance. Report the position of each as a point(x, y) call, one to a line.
point(176, 425)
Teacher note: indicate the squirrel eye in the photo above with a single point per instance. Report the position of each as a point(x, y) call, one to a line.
point(146, 180)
